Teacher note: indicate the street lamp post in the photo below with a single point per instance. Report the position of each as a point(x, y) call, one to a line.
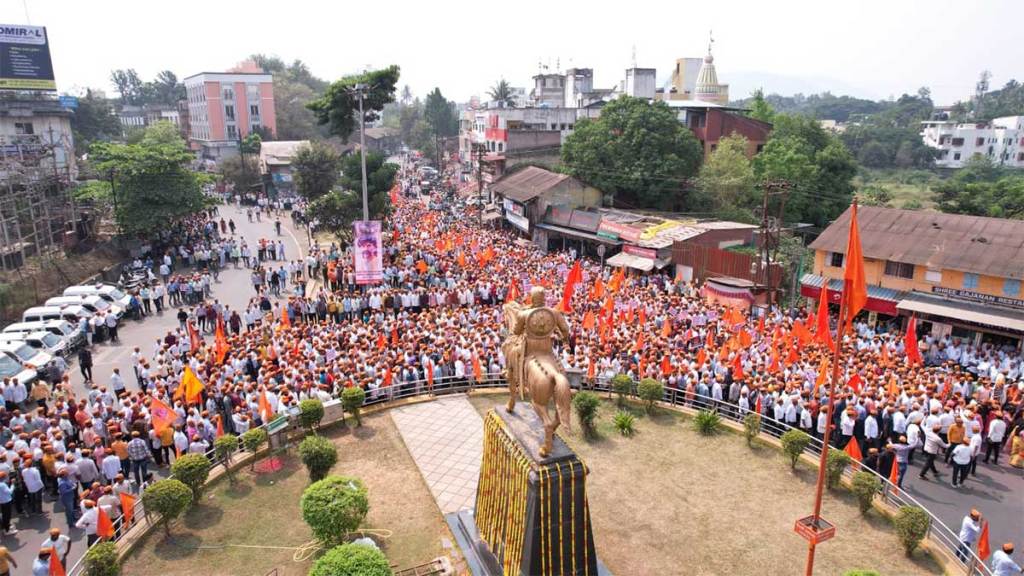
point(360, 90)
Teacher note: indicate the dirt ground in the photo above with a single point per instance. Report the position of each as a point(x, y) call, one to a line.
point(669, 501)
point(262, 512)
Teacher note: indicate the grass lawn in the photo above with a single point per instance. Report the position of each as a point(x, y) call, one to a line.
point(263, 510)
point(908, 188)
point(669, 501)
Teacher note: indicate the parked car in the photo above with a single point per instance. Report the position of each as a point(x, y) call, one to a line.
point(94, 304)
point(108, 292)
point(61, 328)
point(40, 340)
point(28, 356)
point(70, 314)
point(11, 368)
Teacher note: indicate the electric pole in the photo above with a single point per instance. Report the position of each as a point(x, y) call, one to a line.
point(360, 90)
point(770, 230)
point(480, 180)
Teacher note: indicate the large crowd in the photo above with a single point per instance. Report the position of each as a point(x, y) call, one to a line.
point(310, 330)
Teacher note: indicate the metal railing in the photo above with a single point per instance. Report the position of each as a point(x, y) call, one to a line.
point(938, 532)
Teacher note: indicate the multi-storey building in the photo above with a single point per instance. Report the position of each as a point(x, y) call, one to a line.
point(35, 134)
point(224, 107)
point(1001, 140)
point(960, 275)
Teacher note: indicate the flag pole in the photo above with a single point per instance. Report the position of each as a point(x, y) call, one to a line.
point(833, 386)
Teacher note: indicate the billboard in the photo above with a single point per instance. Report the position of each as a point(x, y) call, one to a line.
point(25, 58)
point(369, 261)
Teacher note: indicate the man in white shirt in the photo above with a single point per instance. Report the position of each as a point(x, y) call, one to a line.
point(60, 543)
point(933, 445)
point(1003, 564)
point(961, 462)
point(33, 485)
point(996, 435)
point(89, 521)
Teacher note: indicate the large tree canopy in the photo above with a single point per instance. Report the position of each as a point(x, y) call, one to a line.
point(316, 168)
point(338, 108)
point(636, 150)
point(93, 120)
point(983, 189)
point(339, 208)
point(726, 184)
point(294, 88)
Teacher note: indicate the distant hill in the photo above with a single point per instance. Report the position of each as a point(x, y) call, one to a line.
point(824, 106)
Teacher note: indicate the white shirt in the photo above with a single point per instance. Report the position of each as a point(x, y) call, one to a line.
point(996, 430)
point(1003, 565)
point(962, 455)
point(61, 544)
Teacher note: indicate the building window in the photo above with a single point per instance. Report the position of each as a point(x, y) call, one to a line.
point(229, 112)
point(24, 128)
point(835, 259)
point(229, 95)
point(958, 141)
point(899, 269)
point(933, 276)
point(1011, 287)
point(956, 156)
point(232, 132)
point(970, 281)
point(254, 110)
point(979, 142)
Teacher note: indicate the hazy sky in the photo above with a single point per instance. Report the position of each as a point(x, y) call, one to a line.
point(869, 48)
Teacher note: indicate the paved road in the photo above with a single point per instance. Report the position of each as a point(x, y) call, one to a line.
point(233, 289)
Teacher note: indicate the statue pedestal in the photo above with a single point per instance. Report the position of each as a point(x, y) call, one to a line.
point(531, 513)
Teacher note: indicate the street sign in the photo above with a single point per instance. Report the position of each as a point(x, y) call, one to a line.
point(815, 533)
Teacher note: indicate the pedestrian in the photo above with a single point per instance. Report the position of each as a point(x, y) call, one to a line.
point(1003, 564)
point(89, 522)
point(33, 486)
point(111, 323)
point(962, 455)
point(970, 528)
point(68, 495)
point(996, 434)
point(933, 446)
point(6, 503)
point(60, 543)
point(139, 454)
point(85, 363)
point(6, 561)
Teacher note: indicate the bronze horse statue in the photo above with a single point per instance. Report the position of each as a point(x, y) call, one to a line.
point(532, 364)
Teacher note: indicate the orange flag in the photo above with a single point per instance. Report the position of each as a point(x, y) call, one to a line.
point(773, 365)
point(639, 342)
point(666, 366)
point(104, 527)
point(56, 568)
point(161, 415)
point(894, 473)
point(822, 376)
point(422, 266)
point(513, 291)
point(220, 426)
point(615, 284)
point(575, 277)
point(195, 341)
point(285, 321)
point(461, 259)
point(884, 354)
point(643, 316)
point(822, 333)
point(609, 308)
point(220, 346)
point(793, 357)
point(893, 385)
point(430, 375)
point(984, 549)
point(853, 276)
point(913, 353)
point(588, 320)
point(855, 382)
point(591, 369)
point(666, 328)
point(382, 342)
point(746, 339)
point(192, 386)
point(641, 367)
point(265, 410)
point(597, 291)
point(737, 369)
point(127, 507)
point(394, 336)
point(477, 370)
point(760, 325)
point(387, 376)
point(701, 357)
point(853, 449)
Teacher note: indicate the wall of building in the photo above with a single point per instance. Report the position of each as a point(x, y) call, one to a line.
point(214, 107)
point(1002, 141)
point(267, 112)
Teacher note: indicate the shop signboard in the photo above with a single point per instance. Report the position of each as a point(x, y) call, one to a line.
point(627, 233)
point(649, 253)
point(978, 297)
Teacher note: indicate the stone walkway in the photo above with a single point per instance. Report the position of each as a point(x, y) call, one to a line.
point(445, 438)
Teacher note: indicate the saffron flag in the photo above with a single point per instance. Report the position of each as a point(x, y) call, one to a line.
point(701, 357)
point(746, 339)
point(615, 284)
point(855, 286)
point(461, 259)
point(984, 548)
point(192, 385)
point(822, 376)
point(597, 291)
point(893, 385)
point(513, 291)
point(387, 376)
point(285, 321)
point(265, 410)
point(104, 527)
point(853, 449)
point(913, 353)
point(757, 404)
point(642, 316)
point(666, 328)
point(477, 370)
point(641, 367)
point(161, 415)
point(773, 365)
point(894, 473)
point(666, 366)
point(575, 277)
point(855, 382)
point(884, 354)
point(56, 568)
point(821, 331)
point(737, 369)
point(760, 325)
point(588, 320)
point(394, 336)
point(220, 426)
point(195, 342)
point(430, 375)
point(793, 357)
point(220, 342)
point(591, 369)
point(127, 507)
point(382, 342)
point(639, 342)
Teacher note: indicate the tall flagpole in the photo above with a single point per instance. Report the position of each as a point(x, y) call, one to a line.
point(833, 386)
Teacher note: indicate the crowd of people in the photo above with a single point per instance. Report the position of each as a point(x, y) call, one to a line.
point(310, 330)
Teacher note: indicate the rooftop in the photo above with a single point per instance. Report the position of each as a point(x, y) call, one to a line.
point(526, 184)
point(975, 244)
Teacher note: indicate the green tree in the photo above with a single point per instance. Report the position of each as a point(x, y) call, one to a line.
point(242, 175)
point(93, 120)
point(874, 154)
point(224, 448)
point(440, 115)
point(352, 399)
point(169, 498)
point(318, 454)
point(128, 85)
point(726, 182)
point(334, 506)
point(166, 89)
point(294, 88)
point(982, 188)
point(102, 560)
point(760, 109)
point(338, 108)
point(501, 93)
point(636, 150)
point(153, 184)
point(339, 208)
point(251, 144)
point(192, 470)
point(316, 168)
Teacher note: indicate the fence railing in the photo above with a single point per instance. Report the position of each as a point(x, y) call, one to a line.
point(938, 532)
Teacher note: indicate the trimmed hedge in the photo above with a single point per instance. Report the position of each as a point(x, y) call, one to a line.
point(352, 560)
point(334, 506)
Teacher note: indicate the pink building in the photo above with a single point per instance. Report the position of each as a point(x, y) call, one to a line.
point(225, 107)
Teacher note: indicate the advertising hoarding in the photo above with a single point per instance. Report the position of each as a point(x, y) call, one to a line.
point(25, 58)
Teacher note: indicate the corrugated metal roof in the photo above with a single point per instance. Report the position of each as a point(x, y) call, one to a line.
point(990, 246)
point(972, 312)
point(666, 238)
point(834, 285)
point(526, 184)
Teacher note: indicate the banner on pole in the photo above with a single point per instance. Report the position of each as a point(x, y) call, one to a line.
point(368, 252)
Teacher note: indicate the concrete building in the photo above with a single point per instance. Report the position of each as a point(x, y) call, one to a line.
point(276, 163)
point(961, 275)
point(684, 79)
point(225, 107)
point(381, 139)
point(1001, 140)
point(35, 134)
point(139, 117)
point(641, 83)
point(548, 90)
point(711, 122)
point(526, 195)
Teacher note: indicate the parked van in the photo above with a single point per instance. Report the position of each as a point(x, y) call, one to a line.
point(11, 368)
point(28, 356)
point(40, 340)
point(94, 304)
point(60, 328)
point(44, 313)
point(106, 291)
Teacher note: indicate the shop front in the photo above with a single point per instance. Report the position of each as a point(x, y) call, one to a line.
point(970, 316)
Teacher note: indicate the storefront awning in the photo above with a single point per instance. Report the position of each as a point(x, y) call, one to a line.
point(955, 310)
point(636, 262)
point(881, 300)
point(574, 233)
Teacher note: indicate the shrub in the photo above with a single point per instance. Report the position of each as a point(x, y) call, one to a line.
point(835, 464)
point(794, 442)
point(102, 560)
point(911, 526)
point(318, 454)
point(334, 506)
point(707, 422)
point(192, 470)
point(650, 391)
point(352, 399)
point(861, 573)
point(311, 412)
point(622, 385)
point(352, 560)
point(751, 427)
point(865, 486)
point(625, 423)
point(168, 498)
point(252, 440)
point(224, 447)
point(586, 404)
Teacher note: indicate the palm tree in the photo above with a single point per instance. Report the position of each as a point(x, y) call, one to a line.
point(502, 94)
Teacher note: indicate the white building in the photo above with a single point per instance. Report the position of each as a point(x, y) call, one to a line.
point(1000, 140)
point(35, 134)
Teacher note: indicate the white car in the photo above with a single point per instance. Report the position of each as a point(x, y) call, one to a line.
point(28, 356)
point(71, 314)
point(108, 292)
point(94, 304)
point(60, 328)
point(40, 340)
point(11, 368)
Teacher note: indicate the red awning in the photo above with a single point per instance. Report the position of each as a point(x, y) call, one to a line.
point(875, 303)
